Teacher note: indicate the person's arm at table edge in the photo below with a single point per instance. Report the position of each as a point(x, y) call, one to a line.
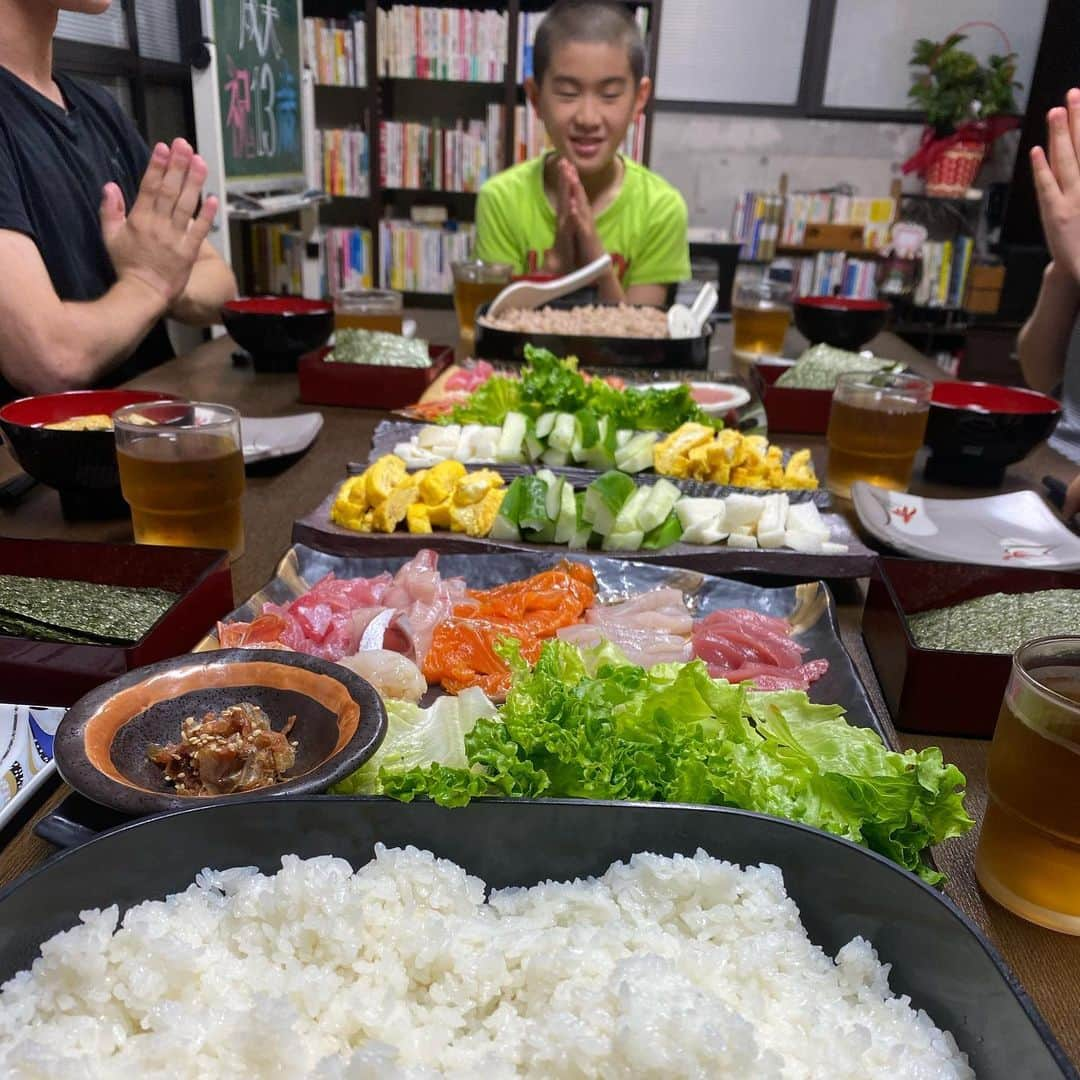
point(212, 282)
point(1044, 339)
point(49, 345)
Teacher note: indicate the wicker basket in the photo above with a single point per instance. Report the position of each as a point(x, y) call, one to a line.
point(954, 170)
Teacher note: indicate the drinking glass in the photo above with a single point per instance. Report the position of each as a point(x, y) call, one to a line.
point(182, 473)
point(368, 309)
point(876, 426)
point(476, 283)
point(1028, 857)
point(760, 312)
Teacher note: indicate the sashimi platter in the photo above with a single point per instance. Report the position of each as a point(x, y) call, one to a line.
point(535, 675)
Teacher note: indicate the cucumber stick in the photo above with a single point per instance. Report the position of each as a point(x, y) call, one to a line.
point(544, 423)
point(510, 446)
point(563, 433)
point(566, 524)
point(663, 496)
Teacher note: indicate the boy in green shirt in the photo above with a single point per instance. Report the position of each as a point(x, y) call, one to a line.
point(567, 207)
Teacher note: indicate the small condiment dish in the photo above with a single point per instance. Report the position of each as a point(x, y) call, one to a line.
point(102, 743)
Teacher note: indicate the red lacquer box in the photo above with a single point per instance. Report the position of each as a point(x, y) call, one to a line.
point(368, 386)
point(941, 691)
point(48, 673)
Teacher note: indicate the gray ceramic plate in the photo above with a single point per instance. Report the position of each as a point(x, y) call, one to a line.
point(1018, 529)
point(937, 956)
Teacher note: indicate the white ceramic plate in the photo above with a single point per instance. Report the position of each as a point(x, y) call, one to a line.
point(1018, 529)
point(26, 746)
point(738, 396)
point(277, 436)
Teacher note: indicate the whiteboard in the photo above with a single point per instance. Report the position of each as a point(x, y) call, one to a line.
point(872, 41)
point(732, 51)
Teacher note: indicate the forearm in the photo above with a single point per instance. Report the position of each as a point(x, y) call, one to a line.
point(210, 285)
point(80, 341)
point(1044, 338)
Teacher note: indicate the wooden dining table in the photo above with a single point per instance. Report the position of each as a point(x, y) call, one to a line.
point(1047, 964)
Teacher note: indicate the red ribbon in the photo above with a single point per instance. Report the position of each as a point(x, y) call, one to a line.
point(976, 133)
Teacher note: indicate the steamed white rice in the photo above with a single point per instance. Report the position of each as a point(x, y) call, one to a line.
point(666, 967)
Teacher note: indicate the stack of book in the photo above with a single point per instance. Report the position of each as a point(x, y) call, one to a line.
point(434, 158)
point(817, 207)
point(277, 255)
point(530, 138)
point(441, 43)
point(419, 258)
point(347, 260)
point(346, 167)
point(832, 273)
point(944, 273)
point(335, 50)
point(756, 224)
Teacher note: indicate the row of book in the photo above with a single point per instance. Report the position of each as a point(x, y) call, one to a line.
point(531, 140)
point(832, 273)
point(346, 163)
point(945, 267)
point(441, 43)
point(348, 260)
point(755, 223)
point(279, 251)
point(529, 23)
point(277, 259)
point(816, 207)
point(419, 258)
point(434, 158)
point(335, 50)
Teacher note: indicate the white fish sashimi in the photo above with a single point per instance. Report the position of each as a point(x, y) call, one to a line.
point(641, 647)
point(662, 610)
point(424, 598)
point(393, 675)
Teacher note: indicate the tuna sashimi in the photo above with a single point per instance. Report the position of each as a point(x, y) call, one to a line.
point(469, 378)
point(741, 645)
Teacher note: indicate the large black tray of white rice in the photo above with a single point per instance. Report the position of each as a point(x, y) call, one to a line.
point(400, 965)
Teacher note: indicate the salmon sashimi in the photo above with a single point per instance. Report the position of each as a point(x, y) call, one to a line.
point(462, 654)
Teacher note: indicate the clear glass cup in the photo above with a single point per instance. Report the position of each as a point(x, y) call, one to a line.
point(760, 311)
point(182, 473)
point(876, 426)
point(1028, 857)
point(368, 309)
point(476, 283)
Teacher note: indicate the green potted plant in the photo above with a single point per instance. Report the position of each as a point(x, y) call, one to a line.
point(967, 106)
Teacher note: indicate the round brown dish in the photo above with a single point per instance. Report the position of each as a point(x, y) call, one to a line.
point(103, 744)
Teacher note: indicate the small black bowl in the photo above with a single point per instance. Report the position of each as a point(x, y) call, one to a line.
point(102, 743)
point(278, 330)
point(81, 465)
point(843, 322)
point(975, 430)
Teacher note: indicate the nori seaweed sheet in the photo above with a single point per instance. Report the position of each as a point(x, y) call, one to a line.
point(998, 622)
point(78, 612)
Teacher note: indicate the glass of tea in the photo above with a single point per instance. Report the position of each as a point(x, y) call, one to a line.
point(368, 309)
point(1028, 857)
point(182, 473)
point(476, 283)
point(760, 311)
point(876, 426)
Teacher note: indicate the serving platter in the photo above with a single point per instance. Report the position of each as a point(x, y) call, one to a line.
point(316, 530)
point(1017, 529)
point(937, 956)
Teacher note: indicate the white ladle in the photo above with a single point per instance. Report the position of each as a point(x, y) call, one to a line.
point(529, 295)
point(688, 322)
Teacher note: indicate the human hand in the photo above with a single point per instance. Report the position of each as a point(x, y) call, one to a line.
point(562, 257)
point(1071, 506)
point(589, 245)
point(1057, 184)
point(157, 243)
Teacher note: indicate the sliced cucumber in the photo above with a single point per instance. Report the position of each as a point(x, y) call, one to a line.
point(668, 532)
point(663, 496)
point(604, 498)
point(544, 423)
point(562, 434)
point(566, 525)
point(558, 458)
point(509, 447)
point(533, 446)
point(628, 518)
point(637, 454)
point(533, 513)
point(630, 540)
point(622, 438)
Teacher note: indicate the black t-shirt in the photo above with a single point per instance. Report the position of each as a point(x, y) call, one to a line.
point(53, 166)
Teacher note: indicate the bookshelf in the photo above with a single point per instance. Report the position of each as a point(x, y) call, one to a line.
point(405, 104)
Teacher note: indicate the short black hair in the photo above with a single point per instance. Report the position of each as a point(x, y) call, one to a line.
point(604, 21)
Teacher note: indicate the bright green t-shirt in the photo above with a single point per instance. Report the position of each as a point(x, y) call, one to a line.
point(643, 229)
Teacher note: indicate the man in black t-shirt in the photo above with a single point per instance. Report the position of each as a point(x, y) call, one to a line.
point(100, 238)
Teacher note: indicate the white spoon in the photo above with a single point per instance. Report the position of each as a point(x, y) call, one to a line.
point(528, 295)
point(688, 322)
